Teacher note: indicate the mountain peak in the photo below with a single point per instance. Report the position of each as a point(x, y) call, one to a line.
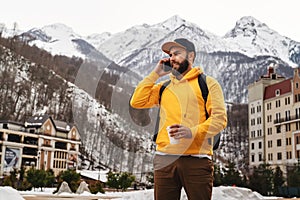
point(172, 23)
point(59, 26)
point(246, 26)
point(250, 21)
point(176, 18)
point(59, 31)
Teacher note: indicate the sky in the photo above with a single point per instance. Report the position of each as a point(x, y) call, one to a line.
point(98, 16)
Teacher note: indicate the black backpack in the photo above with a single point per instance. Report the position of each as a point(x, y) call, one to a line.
point(204, 91)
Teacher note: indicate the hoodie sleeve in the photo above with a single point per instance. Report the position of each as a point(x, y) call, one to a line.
point(216, 109)
point(146, 93)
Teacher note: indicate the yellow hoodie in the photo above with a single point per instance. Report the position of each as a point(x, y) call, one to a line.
point(182, 103)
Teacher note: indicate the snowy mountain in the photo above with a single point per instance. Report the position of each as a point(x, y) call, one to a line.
point(55, 38)
point(124, 44)
point(242, 54)
point(60, 39)
point(249, 37)
point(223, 59)
point(253, 38)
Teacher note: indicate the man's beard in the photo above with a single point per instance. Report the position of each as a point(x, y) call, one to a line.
point(182, 68)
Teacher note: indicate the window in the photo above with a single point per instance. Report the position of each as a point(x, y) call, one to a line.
point(258, 108)
point(277, 103)
point(269, 106)
point(277, 92)
point(298, 139)
point(269, 131)
point(253, 134)
point(61, 145)
point(270, 144)
point(279, 156)
point(259, 157)
point(288, 127)
point(287, 100)
point(252, 158)
point(269, 118)
point(270, 156)
point(259, 145)
point(278, 129)
point(278, 117)
point(259, 133)
point(279, 142)
point(14, 138)
point(259, 120)
point(297, 125)
point(297, 85)
point(288, 115)
point(252, 146)
point(297, 110)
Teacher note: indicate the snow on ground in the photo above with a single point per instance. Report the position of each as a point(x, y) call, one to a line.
point(222, 192)
point(8, 193)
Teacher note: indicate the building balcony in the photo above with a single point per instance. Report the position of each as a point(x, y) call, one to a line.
point(286, 120)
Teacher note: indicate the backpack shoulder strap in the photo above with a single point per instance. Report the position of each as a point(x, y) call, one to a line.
point(162, 88)
point(204, 90)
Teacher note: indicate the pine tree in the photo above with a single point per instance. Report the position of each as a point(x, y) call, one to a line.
point(218, 176)
point(231, 175)
point(120, 180)
point(294, 177)
point(36, 177)
point(71, 177)
point(261, 180)
point(278, 180)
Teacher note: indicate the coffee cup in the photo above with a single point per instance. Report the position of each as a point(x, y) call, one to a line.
point(172, 139)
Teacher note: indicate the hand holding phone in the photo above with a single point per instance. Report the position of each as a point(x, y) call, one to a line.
point(167, 66)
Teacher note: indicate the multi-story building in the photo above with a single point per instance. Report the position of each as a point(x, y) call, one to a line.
point(278, 107)
point(40, 142)
point(256, 116)
point(274, 120)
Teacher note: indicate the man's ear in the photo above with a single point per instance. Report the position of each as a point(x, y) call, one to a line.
point(191, 56)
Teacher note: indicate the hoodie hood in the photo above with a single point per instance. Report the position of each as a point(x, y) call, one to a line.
point(192, 74)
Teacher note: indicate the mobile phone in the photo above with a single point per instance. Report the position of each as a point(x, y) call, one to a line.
point(167, 66)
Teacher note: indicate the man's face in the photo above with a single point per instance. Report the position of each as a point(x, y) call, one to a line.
point(179, 60)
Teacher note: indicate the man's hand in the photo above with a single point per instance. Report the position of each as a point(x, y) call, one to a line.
point(159, 67)
point(179, 131)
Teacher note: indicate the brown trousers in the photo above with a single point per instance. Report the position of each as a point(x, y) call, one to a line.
point(171, 173)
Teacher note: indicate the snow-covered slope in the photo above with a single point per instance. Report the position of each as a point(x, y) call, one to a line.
point(249, 37)
point(57, 39)
point(124, 44)
point(253, 38)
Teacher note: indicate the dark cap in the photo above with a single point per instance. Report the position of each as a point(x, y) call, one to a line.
point(180, 42)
